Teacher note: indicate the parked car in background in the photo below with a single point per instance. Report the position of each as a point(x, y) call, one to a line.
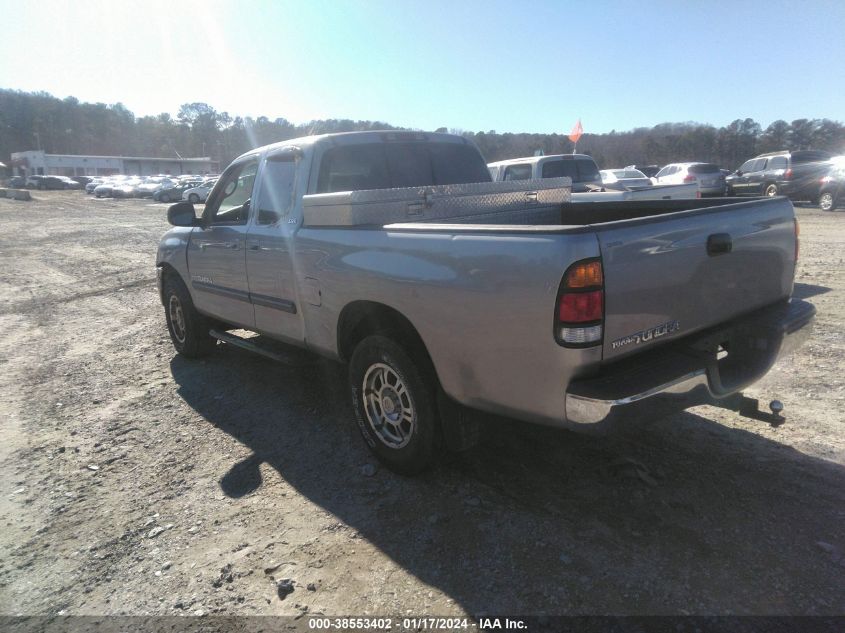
point(832, 186)
point(707, 176)
point(648, 170)
point(69, 183)
point(580, 168)
point(198, 193)
point(16, 182)
point(38, 181)
point(628, 177)
point(82, 180)
point(95, 182)
point(126, 189)
point(104, 189)
point(172, 192)
point(794, 174)
point(147, 188)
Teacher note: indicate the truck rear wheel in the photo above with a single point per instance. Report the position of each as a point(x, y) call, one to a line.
point(394, 398)
point(188, 328)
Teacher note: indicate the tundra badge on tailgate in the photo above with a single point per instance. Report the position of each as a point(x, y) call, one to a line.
point(646, 335)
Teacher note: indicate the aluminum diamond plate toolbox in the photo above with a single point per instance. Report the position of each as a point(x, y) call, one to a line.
point(468, 202)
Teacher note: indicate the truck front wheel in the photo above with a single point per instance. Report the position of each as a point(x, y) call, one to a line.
point(188, 328)
point(394, 398)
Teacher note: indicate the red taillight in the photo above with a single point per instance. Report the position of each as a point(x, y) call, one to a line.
point(580, 308)
point(788, 173)
point(689, 178)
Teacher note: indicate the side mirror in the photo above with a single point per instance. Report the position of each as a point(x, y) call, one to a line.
point(182, 214)
point(738, 172)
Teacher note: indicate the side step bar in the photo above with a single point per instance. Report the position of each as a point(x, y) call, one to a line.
point(232, 339)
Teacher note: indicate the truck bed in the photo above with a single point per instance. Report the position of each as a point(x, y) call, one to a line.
point(571, 216)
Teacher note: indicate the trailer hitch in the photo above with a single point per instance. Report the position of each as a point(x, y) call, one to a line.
point(750, 408)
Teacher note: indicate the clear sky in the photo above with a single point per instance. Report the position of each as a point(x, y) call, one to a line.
point(510, 66)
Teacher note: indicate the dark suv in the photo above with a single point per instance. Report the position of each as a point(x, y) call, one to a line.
point(832, 188)
point(794, 174)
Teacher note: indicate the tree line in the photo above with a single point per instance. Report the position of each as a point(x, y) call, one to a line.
point(67, 126)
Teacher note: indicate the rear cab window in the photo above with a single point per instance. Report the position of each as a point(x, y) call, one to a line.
point(579, 169)
point(388, 165)
point(560, 169)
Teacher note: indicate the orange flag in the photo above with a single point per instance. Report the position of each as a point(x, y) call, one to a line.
point(576, 132)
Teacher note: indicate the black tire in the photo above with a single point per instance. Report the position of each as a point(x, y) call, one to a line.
point(193, 198)
point(188, 328)
point(410, 448)
point(771, 190)
point(165, 197)
point(826, 201)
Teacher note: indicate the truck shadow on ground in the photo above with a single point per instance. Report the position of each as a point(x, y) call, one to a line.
point(679, 515)
point(805, 291)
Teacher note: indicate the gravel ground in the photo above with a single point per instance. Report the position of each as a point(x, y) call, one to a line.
point(135, 482)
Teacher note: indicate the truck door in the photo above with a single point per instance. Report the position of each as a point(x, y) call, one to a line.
point(217, 250)
point(269, 254)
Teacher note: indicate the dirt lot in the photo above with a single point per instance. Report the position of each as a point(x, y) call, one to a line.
point(135, 482)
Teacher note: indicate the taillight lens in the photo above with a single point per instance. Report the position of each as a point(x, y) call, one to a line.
point(788, 173)
point(584, 275)
point(580, 305)
point(689, 178)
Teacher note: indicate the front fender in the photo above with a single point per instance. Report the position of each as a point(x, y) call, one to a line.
point(173, 253)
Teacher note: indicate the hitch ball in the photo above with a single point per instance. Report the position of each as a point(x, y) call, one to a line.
point(776, 406)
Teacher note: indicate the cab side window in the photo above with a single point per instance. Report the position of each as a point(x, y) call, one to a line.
point(232, 195)
point(778, 162)
point(275, 196)
point(747, 166)
point(518, 172)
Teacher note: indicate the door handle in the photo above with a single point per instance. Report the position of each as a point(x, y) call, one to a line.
point(719, 244)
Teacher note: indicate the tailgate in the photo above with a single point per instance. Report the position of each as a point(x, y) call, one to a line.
point(669, 276)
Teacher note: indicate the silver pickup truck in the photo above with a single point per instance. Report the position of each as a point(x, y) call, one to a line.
point(449, 294)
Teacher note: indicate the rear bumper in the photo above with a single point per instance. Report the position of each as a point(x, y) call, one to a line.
point(689, 373)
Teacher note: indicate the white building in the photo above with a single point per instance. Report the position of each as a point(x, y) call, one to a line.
point(39, 162)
